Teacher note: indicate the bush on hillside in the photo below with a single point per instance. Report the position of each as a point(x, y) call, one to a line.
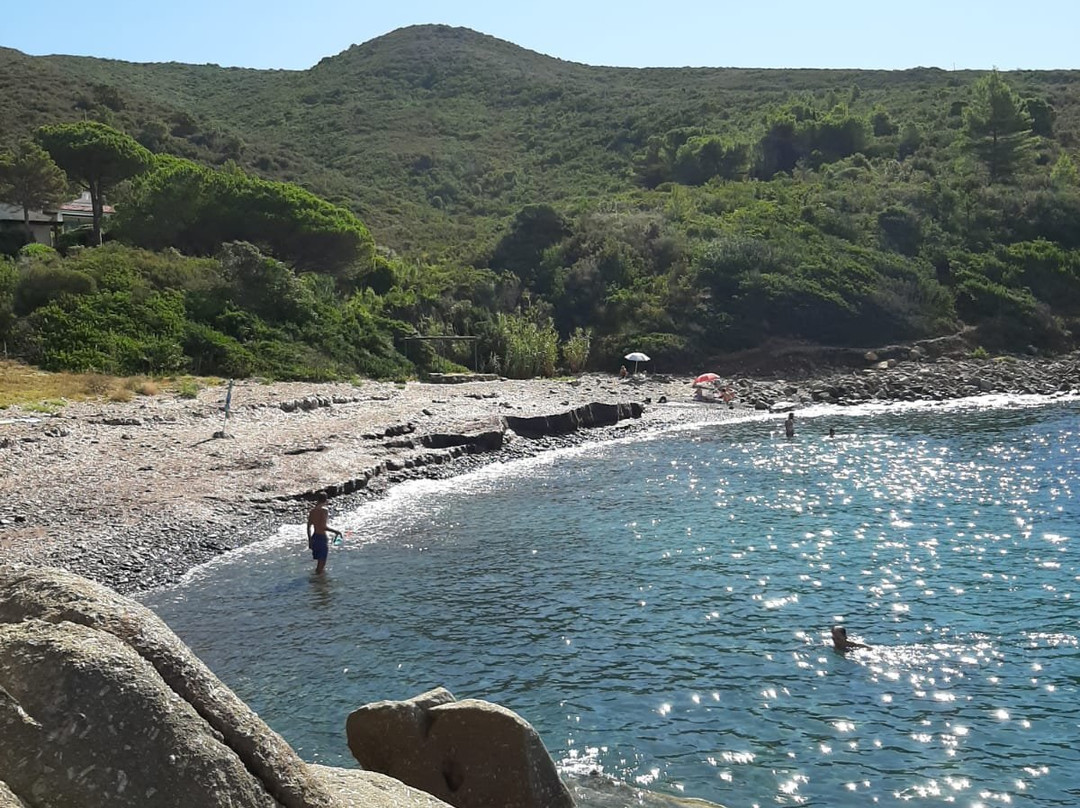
point(40, 283)
point(196, 210)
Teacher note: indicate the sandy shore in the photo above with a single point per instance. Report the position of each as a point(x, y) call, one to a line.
point(135, 494)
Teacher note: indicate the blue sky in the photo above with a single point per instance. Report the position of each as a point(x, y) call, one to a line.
point(717, 33)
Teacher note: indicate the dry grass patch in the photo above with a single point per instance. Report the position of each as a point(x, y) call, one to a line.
point(35, 389)
point(142, 386)
point(30, 388)
point(22, 384)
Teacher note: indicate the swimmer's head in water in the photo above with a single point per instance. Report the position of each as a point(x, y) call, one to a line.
point(839, 636)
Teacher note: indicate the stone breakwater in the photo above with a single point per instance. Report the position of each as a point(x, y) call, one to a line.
point(135, 494)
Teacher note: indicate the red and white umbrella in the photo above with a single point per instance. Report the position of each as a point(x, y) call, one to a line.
point(707, 378)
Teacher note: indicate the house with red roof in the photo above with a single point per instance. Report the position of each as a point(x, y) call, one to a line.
point(80, 212)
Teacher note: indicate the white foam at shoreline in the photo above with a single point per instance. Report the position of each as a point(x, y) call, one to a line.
point(481, 479)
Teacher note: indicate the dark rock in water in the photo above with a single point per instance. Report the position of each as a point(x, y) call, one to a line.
point(101, 704)
point(470, 753)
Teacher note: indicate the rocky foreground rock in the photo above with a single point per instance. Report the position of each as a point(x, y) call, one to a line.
point(470, 753)
point(102, 705)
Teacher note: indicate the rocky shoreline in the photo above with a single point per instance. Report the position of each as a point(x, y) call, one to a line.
point(135, 494)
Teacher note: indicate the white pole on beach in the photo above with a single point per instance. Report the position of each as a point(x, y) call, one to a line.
point(228, 403)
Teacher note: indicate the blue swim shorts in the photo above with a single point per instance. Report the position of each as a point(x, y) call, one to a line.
point(320, 546)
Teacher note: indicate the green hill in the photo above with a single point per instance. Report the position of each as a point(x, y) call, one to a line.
point(430, 132)
point(684, 211)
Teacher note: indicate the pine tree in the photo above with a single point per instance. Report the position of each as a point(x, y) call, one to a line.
point(997, 128)
point(30, 179)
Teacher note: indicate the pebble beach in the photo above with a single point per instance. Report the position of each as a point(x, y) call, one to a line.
point(135, 494)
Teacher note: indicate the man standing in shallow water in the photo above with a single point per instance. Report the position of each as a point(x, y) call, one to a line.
point(317, 529)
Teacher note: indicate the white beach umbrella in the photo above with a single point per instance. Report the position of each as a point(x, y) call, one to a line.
point(635, 357)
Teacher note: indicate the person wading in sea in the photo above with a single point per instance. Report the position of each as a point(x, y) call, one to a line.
point(317, 529)
point(789, 425)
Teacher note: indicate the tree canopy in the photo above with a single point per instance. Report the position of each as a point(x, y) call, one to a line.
point(30, 179)
point(196, 209)
point(687, 213)
point(997, 126)
point(95, 155)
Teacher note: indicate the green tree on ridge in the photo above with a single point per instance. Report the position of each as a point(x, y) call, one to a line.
point(95, 155)
point(997, 128)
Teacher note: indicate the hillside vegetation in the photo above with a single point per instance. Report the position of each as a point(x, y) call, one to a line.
point(684, 212)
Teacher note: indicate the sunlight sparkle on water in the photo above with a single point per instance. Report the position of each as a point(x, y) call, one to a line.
point(648, 603)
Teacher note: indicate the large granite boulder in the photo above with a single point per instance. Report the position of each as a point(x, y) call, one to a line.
point(101, 704)
point(84, 720)
point(360, 789)
point(469, 753)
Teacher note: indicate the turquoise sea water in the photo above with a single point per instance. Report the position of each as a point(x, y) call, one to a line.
point(658, 609)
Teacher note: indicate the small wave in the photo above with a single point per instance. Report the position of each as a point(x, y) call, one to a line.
point(600, 791)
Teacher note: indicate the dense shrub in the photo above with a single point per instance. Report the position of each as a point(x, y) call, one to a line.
point(111, 332)
point(690, 211)
point(526, 347)
point(575, 350)
point(214, 353)
point(9, 278)
point(42, 283)
point(121, 310)
point(195, 209)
